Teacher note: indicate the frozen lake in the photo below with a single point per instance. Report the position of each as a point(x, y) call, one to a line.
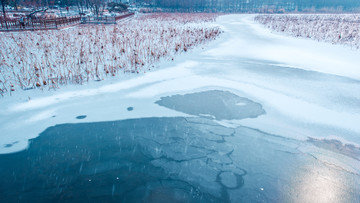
point(251, 117)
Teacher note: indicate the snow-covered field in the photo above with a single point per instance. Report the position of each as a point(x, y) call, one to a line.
point(334, 28)
point(49, 59)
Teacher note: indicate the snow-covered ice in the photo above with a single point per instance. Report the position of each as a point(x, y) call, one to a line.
point(306, 88)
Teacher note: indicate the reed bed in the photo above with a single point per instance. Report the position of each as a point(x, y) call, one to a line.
point(334, 28)
point(50, 59)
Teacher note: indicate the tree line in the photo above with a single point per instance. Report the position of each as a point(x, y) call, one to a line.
point(96, 6)
point(257, 6)
point(254, 5)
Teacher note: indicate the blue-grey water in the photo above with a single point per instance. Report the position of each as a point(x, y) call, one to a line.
point(178, 159)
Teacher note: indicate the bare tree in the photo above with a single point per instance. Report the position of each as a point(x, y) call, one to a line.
point(81, 4)
point(14, 3)
point(3, 4)
point(97, 6)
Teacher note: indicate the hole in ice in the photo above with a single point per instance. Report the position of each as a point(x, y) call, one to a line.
point(10, 145)
point(81, 117)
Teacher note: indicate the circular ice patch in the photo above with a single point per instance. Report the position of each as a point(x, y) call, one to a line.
point(216, 104)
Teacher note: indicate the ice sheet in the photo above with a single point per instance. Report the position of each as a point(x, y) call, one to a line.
point(307, 88)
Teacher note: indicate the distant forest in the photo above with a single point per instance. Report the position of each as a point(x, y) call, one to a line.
point(267, 6)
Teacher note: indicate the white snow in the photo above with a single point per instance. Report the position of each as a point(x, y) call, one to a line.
point(307, 88)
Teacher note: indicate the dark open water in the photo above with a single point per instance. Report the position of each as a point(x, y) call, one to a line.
point(175, 160)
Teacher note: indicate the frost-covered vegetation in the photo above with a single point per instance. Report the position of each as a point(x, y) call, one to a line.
point(48, 59)
point(335, 28)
